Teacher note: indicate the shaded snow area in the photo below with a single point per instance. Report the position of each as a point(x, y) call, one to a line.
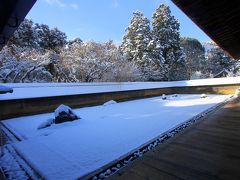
point(5, 89)
point(103, 134)
point(28, 90)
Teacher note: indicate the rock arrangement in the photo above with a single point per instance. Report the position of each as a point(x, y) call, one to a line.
point(64, 114)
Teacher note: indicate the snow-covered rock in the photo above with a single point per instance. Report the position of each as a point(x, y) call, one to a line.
point(109, 102)
point(5, 89)
point(64, 113)
point(164, 97)
point(46, 123)
point(203, 95)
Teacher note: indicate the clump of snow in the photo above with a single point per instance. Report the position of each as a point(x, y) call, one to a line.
point(46, 123)
point(174, 95)
point(4, 89)
point(164, 97)
point(64, 113)
point(203, 95)
point(109, 102)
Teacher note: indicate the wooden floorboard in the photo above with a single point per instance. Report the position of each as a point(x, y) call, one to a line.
point(209, 149)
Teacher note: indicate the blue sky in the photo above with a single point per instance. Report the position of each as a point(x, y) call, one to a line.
point(102, 20)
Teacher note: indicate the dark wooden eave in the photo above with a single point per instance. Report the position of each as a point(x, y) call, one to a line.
point(219, 19)
point(12, 13)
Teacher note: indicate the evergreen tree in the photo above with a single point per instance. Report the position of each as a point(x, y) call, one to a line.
point(151, 69)
point(52, 39)
point(194, 55)
point(33, 35)
point(25, 35)
point(166, 40)
point(136, 41)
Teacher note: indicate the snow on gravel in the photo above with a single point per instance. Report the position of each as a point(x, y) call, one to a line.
point(105, 133)
point(31, 90)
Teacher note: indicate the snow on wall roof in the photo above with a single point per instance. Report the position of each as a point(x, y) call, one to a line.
point(32, 90)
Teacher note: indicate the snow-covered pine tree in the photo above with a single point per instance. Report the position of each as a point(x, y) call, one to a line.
point(151, 69)
point(166, 40)
point(136, 41)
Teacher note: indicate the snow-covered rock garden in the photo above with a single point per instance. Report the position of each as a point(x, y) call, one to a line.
point(104, 133)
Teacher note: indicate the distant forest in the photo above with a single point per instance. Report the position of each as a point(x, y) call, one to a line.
point(150, 51)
